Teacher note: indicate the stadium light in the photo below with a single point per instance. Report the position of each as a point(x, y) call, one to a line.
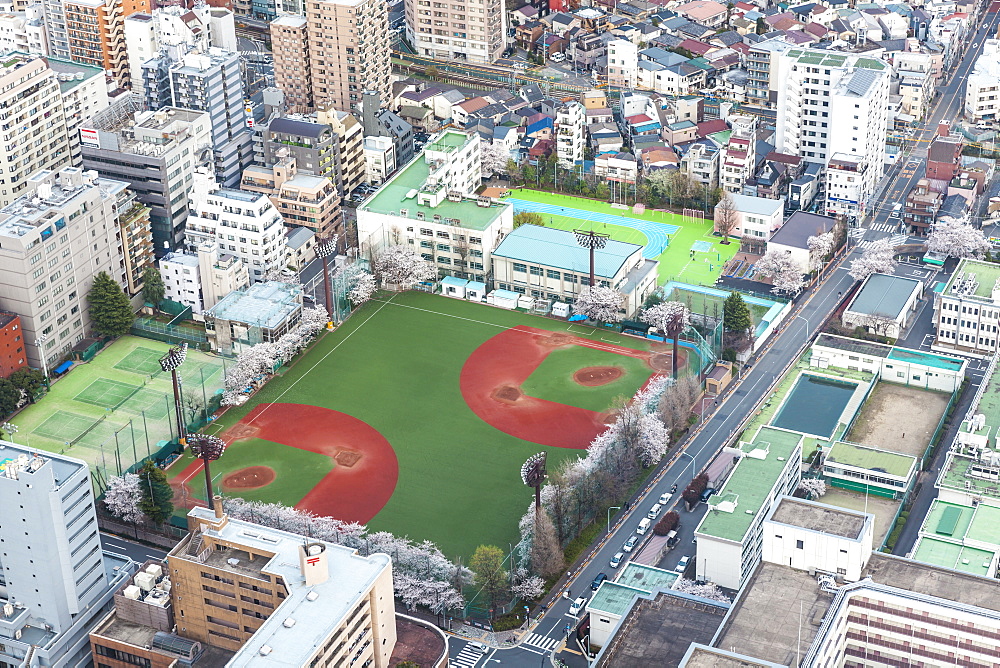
point(171, 362)
point(207, 449)
point(325, 248)
point(40, 342)
point(593, 241)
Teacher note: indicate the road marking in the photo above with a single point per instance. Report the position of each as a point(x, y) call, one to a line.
point(467, 658)
point(541, 642)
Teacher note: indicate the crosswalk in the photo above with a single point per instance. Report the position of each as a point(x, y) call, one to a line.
point(541, 642)
point(467, 658)
point(894, 240)
point(885, 227)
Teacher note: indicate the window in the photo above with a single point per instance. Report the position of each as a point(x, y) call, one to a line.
point(520, 267)
point(799, 544)
point(552, 274)
point(536, 271)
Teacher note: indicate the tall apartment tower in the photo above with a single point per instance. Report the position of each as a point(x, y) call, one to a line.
point(349, 51)
point(96, 36)
point(54, 578)
point(472, 30)
point(36, 136)
point(290, 45)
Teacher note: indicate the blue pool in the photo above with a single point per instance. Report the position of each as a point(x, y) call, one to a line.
point(814, 405)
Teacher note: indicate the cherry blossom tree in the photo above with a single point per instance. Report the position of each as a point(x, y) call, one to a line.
point(957, 238)
point(671, 318)
point(815, 486)
point(493, 158)
point(600, 303)
point(527, 586)
point(653, 441)
point(784, 272)
point(707, 590)
point(820, 248)
point(402, 267)
point(362, 288)
point(877, 258)
point(122, 497)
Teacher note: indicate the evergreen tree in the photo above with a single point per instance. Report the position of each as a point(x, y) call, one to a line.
point(110, 309)
point(487, 563)
point(153, 289)
point(157, 497)
point(27, 379)
point(9, 397)
point(736, 313)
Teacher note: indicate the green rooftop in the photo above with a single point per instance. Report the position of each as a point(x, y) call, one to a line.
point(648, 578)
point(985, 273)
point(954, 556)
point(872, 459)
point(614, 598)
point(928, 359)
point(947, 520)
point(750, 484)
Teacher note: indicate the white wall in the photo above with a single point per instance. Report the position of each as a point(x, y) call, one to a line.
point(914, 375)
point(719, 561)
point(819, 551)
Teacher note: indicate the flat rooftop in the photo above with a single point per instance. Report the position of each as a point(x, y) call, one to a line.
point(853, 345)
point(922, 578)
point(947, 554)
point(266, 304)
point(700, 656)
point(984, 274)
point(18, 457)
point(872, 459)
point(819, 517)
point(645, 577)
point(614, 598)
point(884, 295)
point(123, 630)
point(550, 247)
point(777, 616)
point(733, 508)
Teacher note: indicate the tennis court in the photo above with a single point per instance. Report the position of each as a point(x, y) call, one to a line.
point(105, 392)
point(64, 426)
point(142, 360)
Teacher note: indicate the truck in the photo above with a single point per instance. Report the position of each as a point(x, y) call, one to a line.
point(672, 540)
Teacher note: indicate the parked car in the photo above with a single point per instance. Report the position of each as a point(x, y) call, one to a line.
point(630, 543)
point(682, 564)
point(577, 606)
point(707, 494)
point(480, 647)
point(617, 559)
point(654, 511)
point(557, 57)
point(597, 581)
point(665, 498)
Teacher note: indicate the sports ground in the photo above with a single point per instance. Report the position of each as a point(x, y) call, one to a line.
point(118, 407)
point(677, 262)
point(416, 414)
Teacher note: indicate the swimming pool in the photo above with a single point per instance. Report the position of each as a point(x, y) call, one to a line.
point(814, 405)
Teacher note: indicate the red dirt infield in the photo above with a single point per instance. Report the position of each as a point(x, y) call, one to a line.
point(252, 477)
point(595, 376)
point(504, 362)
point(365, 472)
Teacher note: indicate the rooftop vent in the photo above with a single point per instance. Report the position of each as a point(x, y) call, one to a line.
point(312, 596)
point(265, 650)
point(288, 623)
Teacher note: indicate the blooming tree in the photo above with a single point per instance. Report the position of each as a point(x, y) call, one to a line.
point(402, 267)
point(671, 318)
point(122, 497)
point(362, 288)
point(493, 158)
point(957, 239)
point(707, 590)
point(877, 258)
point(526, 585)
point(820, 248)
point(600, 303)
point(815, 486)
point(784, 272)
point(653, 440)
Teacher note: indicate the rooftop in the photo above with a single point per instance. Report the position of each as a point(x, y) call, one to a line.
point(266, 304)
point(819, 517)
point(614, 598)
point(799, 227)
point(700, 656)
point(885, 295)
point(123, 630)
point(733, 508)
point(933, 581)
point(758, 206)
point(984, 277)
point(648, 578)
point(872, 459)
point(20, 458)
point(299, 128)
point(954, 556)
point(71, 74)
point(550, 247)
point(853, 345)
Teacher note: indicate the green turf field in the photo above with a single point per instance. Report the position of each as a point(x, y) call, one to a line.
point(553, 379)
point(395, 364)
point(676, 262)
point(84, 415)
point(296, 471)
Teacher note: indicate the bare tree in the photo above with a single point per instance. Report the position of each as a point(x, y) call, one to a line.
point(546, 555)
point(727, 217)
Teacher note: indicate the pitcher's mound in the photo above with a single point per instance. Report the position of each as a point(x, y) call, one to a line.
point(240, 431)
point(251, 477)
point(347, 458)
point(507, 394)
point(593, 376)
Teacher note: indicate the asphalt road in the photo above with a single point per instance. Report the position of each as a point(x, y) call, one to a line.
point(134, 551)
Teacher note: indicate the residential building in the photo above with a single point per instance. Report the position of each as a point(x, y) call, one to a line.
point(244, 224)
point(623, 63)
point(380, 158)
point(12, 354)
point(885, 305)
point(431, 204)
point(96, 36)
point(921, 208)
point(832, 103)
point(793, 236)
point(546, 263)
point(765, 71)
point(739, 159)
point(982, 87)
point(24, 31)
point(570, 140)
point(57, 580)
point(757, 218)
point(201, 279)
point(704, 12)
point(730, 536)
point(303, 200)
point(300, 247)
point(265, 311)
point(701, 162)
point(135, 236)
point(845, 183)
point(156, 153)
point(38, 138)
point(84, 92)
point(290, 44)
point(944, 156)
point(49, 254)
point(967, 310)
point(350, 141)
point(472, 31)
point(348, 51)
point(619, 167)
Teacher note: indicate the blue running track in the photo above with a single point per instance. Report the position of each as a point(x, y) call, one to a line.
point(657, 234)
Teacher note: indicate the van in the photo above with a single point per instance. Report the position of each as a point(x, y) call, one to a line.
point(617, 559)
point(595, 585)
point(707, 494)
point(654, 511)
point(672, 538)
point(896, 208)
point(643, 526)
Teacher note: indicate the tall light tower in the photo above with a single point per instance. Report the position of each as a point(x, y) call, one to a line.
point(325, 248)
point(533, 475)
point(170, 362)
point(207, 449)
point(40, 342)
point(592, 240)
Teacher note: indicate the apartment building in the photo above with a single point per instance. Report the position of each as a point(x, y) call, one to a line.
point(24, 31)
point(290, 46)
point(764, 71)
point(431, 204)
point(623, 63)
point(845, 180)
point(967, 311)
point(12, 354)
point(96, 36)
point(202, 278)
point(701, 162)
point(84, 90)
point(730, 536)
point(56, 580)
point(757, 218)
point(54, 239)
point(571, 124)
point(156, 153)
point(982, 87)
point(349, 51)
point(470, 31)
point(739, 155)
point(303, 200)
point(36, 137)
point(244, 224)
point(834, 103)
point(921, 208)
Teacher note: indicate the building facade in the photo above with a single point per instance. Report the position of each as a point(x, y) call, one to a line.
point(967, 311)
point(96, 36)
point(470, 31)
point(570, 133)
point(303, 200)
point(982, 88)
point(12, 354)
point(290, 42)
point(845, 185)
point(739, 156)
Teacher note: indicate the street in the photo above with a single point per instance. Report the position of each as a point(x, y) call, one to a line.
point(134, 551)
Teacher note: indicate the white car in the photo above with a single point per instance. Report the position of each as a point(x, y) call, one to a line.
point(665, 498)
point(577, 606)
point(617, 559)
point(480, 647)
point(630, 543)
point(558, 57)
point(654, 511)
point(682, 564)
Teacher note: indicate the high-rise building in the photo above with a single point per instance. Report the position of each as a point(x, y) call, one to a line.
point(37, 137)
point(55, 581)
point(471, 31)
point(156, 153)
point(96, 36)
point(982, 99)
point(739, 156)
point(202, 278)
point(349, 51)
point(290, 45)
point(303, 200)
point(84, 90)
point(49, 253)
point(571, 122)
point(24, 31)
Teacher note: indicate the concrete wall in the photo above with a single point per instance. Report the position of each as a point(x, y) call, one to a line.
point(819, 551)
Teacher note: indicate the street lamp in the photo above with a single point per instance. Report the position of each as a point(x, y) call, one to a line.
point(40, 342)
point(694, 462)
point(9, 429)
point(207, 449)
point(170, 362)
point(325, 248)
point(609, 516)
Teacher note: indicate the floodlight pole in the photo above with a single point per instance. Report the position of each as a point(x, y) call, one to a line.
point(591, 240)
point(40, 342)
point(207, 449)
point(170, 362)
point(325, 249)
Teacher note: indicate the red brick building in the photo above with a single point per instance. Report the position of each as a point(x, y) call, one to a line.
point(943, 158)
point(12, 355)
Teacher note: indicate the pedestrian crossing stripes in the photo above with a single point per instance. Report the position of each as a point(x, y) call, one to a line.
point(541, 642)
point(884, 227)
point(895, 240)
point(467, 658)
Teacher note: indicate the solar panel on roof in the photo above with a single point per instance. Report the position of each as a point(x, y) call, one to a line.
point(861, 81)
